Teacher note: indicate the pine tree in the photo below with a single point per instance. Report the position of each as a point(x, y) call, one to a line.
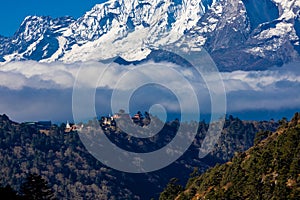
point(36, 188)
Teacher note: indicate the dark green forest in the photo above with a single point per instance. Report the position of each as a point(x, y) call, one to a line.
point(268, 170)
point(71, 172)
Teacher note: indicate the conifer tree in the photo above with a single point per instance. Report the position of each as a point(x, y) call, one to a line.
point(36, 188)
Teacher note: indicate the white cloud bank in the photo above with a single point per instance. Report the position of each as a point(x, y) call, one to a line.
point(30, 90)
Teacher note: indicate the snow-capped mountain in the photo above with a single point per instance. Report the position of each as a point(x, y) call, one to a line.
point(245, 34)
point(248, 34)
point(36, 39)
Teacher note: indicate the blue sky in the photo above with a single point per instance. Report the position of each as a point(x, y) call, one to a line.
point(12, 12)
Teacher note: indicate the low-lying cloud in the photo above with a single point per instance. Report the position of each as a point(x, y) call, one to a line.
point(33, 91)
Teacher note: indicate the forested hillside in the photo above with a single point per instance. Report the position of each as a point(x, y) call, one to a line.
point(269, 170)
point(72, 173)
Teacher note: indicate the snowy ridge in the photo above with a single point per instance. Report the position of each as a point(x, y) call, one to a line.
point(238, 34)
point(125, 28)
point(36, 39)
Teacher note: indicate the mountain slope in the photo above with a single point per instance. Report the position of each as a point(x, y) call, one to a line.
point(73, 173)
point(269, 170)
point(126, 28)
point(238, 38)
point(238, 34)
point(60, 158)
point(36, 39)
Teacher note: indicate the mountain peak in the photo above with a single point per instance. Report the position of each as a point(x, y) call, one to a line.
point(260, 34)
